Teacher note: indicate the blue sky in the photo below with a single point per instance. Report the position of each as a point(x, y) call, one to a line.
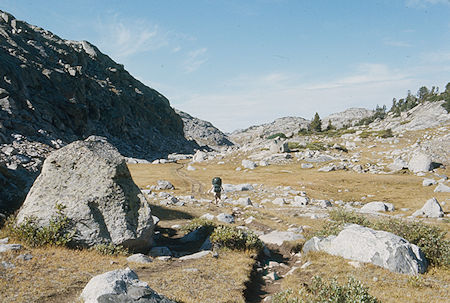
point(241, 63)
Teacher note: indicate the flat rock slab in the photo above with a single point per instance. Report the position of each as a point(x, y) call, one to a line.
point(9, 247)
point(195, 256)
point(278, 237)
point(380, 248)
point(139, 258)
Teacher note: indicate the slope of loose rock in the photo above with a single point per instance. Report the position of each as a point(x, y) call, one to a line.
point(203, 132)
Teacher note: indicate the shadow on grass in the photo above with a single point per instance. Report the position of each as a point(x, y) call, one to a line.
point(164, 213)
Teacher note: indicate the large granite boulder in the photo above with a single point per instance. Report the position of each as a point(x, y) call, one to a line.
point(92, 181)
point(380, 248)
point(119, 286)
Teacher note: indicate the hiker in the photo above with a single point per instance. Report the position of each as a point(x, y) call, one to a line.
point(217, 189)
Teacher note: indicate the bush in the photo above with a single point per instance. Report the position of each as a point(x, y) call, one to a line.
point(234, 238)
point(277, 135)
point(430, 239)
point(294, 145)
point(198, 223)
point(315, 146)
point(110, 249)
point(58, 232)
point(321, 291)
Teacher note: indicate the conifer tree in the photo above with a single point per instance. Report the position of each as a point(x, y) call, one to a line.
point(316, 124)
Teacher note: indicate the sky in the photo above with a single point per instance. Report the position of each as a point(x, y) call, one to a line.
point(239, 63)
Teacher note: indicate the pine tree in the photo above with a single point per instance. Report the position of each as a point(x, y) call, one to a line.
point(316, 124)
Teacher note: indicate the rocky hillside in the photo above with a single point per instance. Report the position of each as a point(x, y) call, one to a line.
point(203, 132)
point(285, 125)
point(55, 91)
point(348, 117)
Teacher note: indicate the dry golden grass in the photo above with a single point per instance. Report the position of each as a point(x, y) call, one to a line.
point(213, 280)
point(58, 275)
point(386, 286)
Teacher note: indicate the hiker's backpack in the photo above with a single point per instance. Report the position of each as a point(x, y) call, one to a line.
point(217, 183)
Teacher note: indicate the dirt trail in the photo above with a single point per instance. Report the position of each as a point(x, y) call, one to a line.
point(197, 188)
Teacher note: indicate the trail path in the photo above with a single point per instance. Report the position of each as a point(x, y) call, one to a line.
point(197, 188)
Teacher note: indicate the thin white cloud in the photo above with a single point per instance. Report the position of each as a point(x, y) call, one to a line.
point(397, 43)
point(122, 38)
point(195, 59)
point(250, 100)
point(424, 3)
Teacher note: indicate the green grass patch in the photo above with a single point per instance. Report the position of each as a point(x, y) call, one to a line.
point(235, 238)
point(58, 232)
point(320, 291)
point(277, 135)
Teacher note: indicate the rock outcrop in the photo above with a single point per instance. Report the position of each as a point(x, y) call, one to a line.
point(55, 91)
point(91, 180)
point(348, 117)
point(380, 248)
point(203, 132)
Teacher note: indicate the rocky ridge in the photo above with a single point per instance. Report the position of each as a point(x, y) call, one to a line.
point(203, 132)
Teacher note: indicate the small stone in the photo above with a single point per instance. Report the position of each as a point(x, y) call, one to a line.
point(25, 257)
point(139, 258)
point(306, 265)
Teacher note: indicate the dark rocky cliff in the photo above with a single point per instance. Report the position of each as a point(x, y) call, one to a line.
point(55, 91)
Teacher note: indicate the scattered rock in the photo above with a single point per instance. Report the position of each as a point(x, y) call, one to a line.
point(420, 162)
point(139, 258)
point(244, 201)
point(442, 188)
point(195, 256)
point(248, 164)
point(278, 237)
point(300, 201)
point(279, 201)
point(9, 247)
point(306, 165)
point(226, 218)
point(431, 209)
point(377, 206)
point(164, 184)
point(25, 257)
point(428, 182)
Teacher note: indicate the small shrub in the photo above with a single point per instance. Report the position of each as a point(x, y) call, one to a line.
point(386, 133)
point(110, 249)
point(58, 232)
point(294, 145)
point(198, 223)
point(277, 135)
point(430, 239)
point(315, 146)
point(321, 291)
point(235, 238)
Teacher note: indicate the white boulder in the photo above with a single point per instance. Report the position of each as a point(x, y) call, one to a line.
point(122, 285)
point(380, 248)
point(419, 162)
point(431, 209)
